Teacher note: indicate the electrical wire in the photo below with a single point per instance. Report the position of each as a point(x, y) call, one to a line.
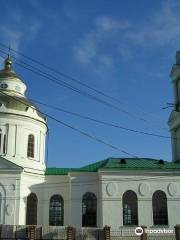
point(99, 121)
point(117, 126)
point(92, 137)
point(102, 122)
point(67, 76)
point(66, 85)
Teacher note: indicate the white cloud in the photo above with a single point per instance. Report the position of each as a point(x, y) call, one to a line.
point(19, 28)
point(34, 27)
point(125, 52)
point(108, 24)
point(14, 37)
point(11, 37)
point(103, 65)
point(163, 27)
point(89, 50)
point(86, 50)
point(87, 54)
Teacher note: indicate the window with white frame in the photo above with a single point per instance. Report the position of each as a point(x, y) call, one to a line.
point(3, 141)
point(130, 208)
point(56, 211)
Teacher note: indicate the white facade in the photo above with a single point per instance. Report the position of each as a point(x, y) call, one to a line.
point(108, 186)
point(23, 172)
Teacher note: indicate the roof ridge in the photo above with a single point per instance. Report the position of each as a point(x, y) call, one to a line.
point(114, 164)
point(105, 162)
point(95, 165)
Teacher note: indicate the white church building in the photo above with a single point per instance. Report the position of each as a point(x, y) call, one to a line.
point(115, 191)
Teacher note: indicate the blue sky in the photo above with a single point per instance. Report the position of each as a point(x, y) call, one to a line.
point(124, 48)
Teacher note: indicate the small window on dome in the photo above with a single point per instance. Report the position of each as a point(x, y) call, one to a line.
point(4, 85)
point(30, 147)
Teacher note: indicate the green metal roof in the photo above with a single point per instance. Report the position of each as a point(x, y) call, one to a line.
point(58, 171)
point(118, 164)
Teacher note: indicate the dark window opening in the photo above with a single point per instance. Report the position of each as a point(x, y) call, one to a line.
point(160, 214)
point(56, 211)
point(130, 208)
point(4, 144)
point(89, 210)
point(31, 212)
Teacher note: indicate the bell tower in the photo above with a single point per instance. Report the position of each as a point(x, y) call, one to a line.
point(22, 127)
point(174, 119)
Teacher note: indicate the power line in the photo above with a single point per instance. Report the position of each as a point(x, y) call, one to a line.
point(74, 128)
point(103, 122)
point(66, 85)
point(67, 76)
point(99, 121)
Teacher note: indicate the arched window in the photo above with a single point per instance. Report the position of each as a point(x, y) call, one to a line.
point(160, 214)
point(89, 210)
point(130, 208)
point(30, 147)
point(4, 144)
point(31, 211)
point(56, 211)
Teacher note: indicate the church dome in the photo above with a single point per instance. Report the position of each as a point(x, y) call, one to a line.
point(23, 127)
point(9, 80)
point(12, 94)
